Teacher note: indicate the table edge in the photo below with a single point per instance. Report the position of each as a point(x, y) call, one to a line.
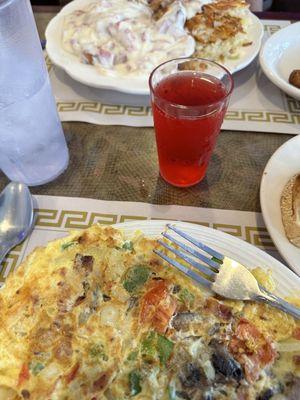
point(262, 15)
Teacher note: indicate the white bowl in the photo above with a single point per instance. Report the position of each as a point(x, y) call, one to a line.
point(280, 55)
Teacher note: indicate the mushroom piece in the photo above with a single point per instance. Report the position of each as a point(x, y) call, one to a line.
point(192, 376)
point(224, 363)
point(290, 209)
point(293, 389)
point(267, 394)
point(183, 319)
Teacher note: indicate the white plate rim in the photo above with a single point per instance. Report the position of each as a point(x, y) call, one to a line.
point(270, 72)
point(85, 73)
point(250, 256)
point(273, 221)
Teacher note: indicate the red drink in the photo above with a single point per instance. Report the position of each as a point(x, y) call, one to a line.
point(188, 110)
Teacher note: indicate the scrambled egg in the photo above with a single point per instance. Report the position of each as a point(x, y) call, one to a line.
point(96, 316)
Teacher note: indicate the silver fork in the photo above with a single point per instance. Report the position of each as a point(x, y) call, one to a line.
point(222, 275)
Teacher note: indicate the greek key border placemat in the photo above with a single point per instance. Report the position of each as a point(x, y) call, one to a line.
point(55, 216)
point(256, 104)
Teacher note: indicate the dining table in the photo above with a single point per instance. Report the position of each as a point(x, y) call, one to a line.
point(115, 163)
point(97, 314)
point(120, 162)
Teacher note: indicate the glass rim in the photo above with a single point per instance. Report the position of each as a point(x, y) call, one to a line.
point(182, 106)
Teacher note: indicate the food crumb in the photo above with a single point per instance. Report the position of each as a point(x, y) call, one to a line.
point(294, 78)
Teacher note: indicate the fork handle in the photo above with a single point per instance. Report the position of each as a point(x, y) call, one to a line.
point(275, 301)
point(3, 251)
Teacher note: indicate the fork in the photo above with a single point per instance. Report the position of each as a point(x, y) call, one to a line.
point(223, 275)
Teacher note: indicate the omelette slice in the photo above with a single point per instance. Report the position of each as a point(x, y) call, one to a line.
point(96, 315)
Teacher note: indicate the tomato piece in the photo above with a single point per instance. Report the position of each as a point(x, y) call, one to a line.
point(252, 349)
point(218, 309)
point(71, 375)
point(266, 354)
point(251, 366)
point(102, 381)
point(150, 301)
point(247, 331)
point(164, 313)
point(157, 306)
point(24, 374)
point(296, 333)
point(296, 360)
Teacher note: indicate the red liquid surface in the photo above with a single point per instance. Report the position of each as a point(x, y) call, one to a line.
point(185, 143)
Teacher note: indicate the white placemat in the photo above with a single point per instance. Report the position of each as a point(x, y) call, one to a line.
point(256, 104)
point(57, 215)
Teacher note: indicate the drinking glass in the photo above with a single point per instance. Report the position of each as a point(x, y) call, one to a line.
point(189, 99)
point(33, 149)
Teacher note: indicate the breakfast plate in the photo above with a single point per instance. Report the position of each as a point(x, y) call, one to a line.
point(283, 164)
point(105, 318)
point(248, 255)
point(280, 55)
point(89, 75)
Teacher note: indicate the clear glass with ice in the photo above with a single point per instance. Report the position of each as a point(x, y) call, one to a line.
point(33, 149)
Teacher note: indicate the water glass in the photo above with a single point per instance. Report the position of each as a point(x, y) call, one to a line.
point(33, 149)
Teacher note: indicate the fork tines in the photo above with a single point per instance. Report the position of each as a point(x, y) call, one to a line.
point(196, 242)
point(211, 271)
point(210, 266)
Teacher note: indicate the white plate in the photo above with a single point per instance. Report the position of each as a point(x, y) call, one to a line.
point(283, 164)
point(250, 256)
point(280, 55)
point(89, 75)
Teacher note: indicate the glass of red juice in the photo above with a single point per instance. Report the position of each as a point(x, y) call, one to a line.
point(189, 99)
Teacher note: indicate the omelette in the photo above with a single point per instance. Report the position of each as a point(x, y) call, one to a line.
point(97, 315)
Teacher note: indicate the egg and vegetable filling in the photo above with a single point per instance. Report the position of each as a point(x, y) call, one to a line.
point(96, 316)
